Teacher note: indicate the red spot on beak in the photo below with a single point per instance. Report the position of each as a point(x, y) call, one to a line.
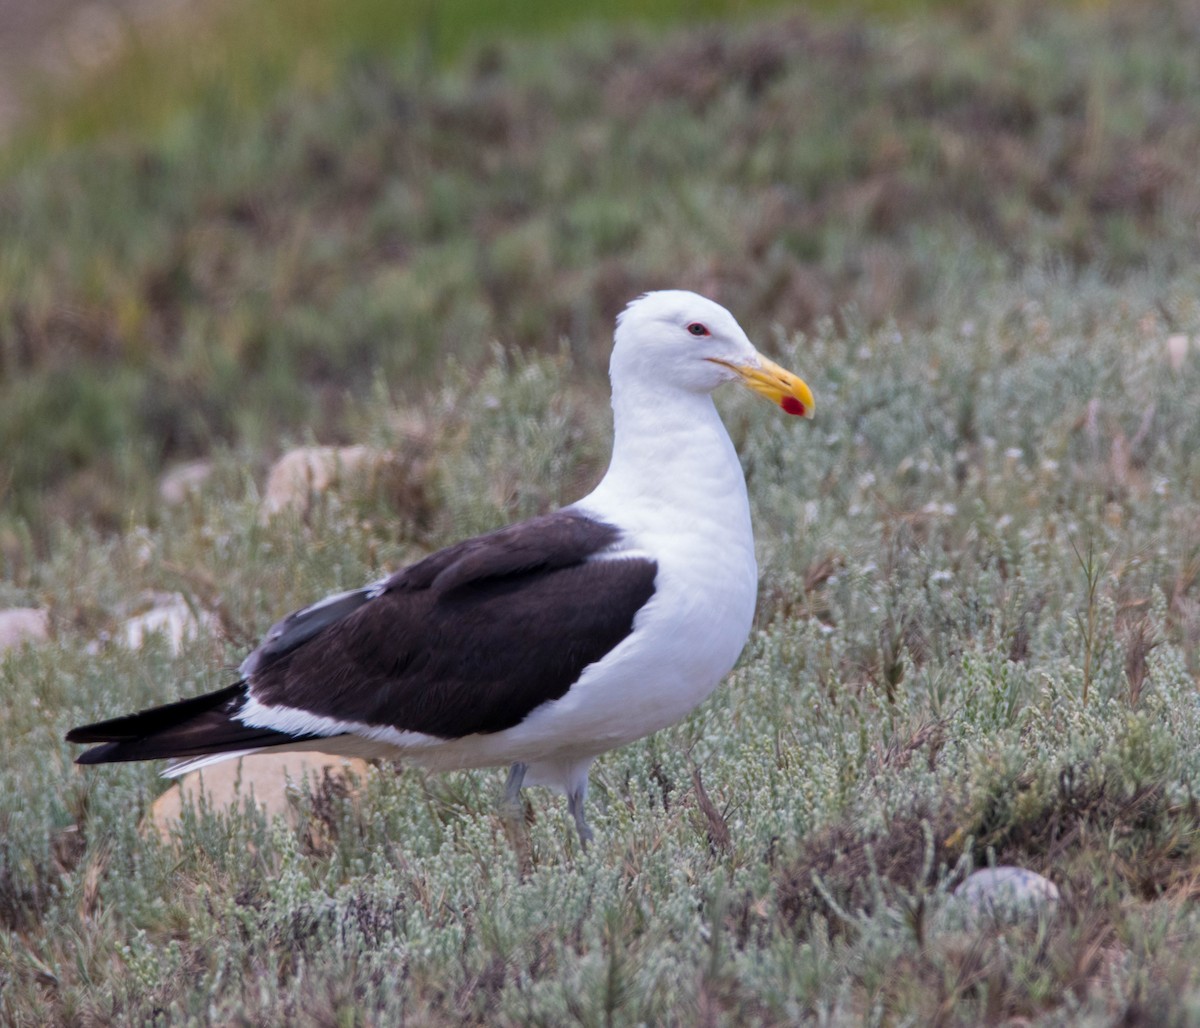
point(792, 406)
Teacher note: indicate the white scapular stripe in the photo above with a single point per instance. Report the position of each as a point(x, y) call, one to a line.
point(298, 722)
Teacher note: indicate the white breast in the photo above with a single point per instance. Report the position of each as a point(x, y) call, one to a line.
point(676, 491)
point(693, 519)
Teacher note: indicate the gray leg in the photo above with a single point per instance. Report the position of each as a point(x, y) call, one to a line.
point(512, 787)
point(575, 800)
point(512, 814)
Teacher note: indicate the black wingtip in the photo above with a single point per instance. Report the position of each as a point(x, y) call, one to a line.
point(97, 754)
point(194, 727)
point(85, 734)
point(156, 719)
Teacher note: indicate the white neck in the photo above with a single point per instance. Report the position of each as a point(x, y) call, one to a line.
point(672, 458)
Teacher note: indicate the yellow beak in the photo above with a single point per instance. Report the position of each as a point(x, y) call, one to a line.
point(777, 384)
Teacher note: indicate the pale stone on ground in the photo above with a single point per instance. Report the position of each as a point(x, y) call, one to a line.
point(183, 480)
point(1001, 895)
point(1177, 350)
point(171, 617)
point(23, 624)
point(300, 475)
point(269, 778)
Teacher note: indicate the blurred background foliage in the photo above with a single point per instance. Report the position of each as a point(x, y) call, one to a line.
point(144, 61)
point(227, 232)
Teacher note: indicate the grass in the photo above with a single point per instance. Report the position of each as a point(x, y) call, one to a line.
point(237, 56)
point(808, 170)
point(978, 628)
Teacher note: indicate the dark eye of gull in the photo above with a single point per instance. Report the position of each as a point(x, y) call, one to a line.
point(697, 329)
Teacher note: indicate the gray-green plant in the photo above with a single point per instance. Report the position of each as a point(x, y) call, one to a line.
point(977, 632)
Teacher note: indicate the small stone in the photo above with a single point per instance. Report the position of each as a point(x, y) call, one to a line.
point(1177, 350)
point(303, 474)
point(23, 625)
point(1001, 895)
point(173, 618)
point(183, 480)
point(271, 779)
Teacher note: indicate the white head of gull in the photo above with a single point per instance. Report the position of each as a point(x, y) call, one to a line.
point(540, 645)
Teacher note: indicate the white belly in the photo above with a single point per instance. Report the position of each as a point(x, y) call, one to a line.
point(684, 642)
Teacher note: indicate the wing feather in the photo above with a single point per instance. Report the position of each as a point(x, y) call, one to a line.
point(470, 639)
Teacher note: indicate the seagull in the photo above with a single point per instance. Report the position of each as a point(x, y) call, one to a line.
point(543, 644)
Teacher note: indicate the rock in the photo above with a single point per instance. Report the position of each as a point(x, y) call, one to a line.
point(303, 474)
point(271, 779)
point(1000, 895)
point(183, 480)
point(1177, 350)
point(21, 625)
point(173, 618)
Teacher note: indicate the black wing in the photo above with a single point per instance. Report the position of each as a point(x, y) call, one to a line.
point(470, 639)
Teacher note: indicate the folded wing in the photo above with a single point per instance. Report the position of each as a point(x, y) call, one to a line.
point(470, 639)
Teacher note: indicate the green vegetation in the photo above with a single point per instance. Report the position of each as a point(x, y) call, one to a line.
point(159, 298)
point(978, 631)
point(237, 56)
